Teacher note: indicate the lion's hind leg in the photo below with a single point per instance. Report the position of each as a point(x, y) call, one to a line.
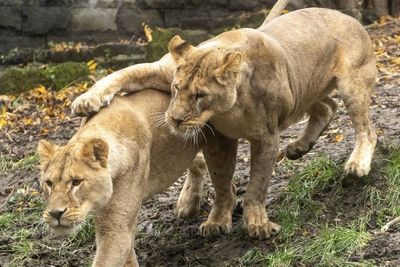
point(190, 197)
point(355, 89)
point(321, 114)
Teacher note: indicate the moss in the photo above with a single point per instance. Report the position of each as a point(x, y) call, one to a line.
point(246, 20)
point(161, 37)
point(64, 74)
point(16, 80)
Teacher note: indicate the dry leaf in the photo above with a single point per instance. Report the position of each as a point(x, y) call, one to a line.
point(339, 138)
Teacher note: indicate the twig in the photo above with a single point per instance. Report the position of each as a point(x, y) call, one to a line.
point(8, 197)
point(389, 224)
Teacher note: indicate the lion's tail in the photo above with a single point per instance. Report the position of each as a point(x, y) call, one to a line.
point(275, 11)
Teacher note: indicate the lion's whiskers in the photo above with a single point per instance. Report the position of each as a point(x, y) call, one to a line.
point(201, 131)
point(209, 127)
point(159, 119)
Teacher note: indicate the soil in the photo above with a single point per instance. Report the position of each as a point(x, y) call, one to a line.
point(164, 240)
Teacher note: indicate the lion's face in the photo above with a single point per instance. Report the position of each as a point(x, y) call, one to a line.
point(75, 180)
point(204, 85)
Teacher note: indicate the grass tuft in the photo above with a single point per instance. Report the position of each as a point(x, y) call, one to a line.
point(29, 162)
point(254, 256)
point(296, 202)
point(332, 246)
point(383, 198)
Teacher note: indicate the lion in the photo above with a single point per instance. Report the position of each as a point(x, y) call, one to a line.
point(122, 157)
point(255, 83)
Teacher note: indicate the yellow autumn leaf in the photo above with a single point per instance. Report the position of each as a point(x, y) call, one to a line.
point(148, 32)
point(27, 121)
point(40, 89)
point(3, 116)
point(85, 85)
point(92, 65)
point(339, 138)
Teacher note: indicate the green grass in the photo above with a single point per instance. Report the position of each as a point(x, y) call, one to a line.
point(332, 246)
point(29, 162)
point(296, 202)
point(298, 210)
point(252, 257)
point(28, 235)
point(384, 197)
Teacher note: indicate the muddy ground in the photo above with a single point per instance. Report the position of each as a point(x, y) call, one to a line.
point(164, 240)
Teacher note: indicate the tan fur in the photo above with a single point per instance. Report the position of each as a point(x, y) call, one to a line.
point(121, 157)
point(254, 83)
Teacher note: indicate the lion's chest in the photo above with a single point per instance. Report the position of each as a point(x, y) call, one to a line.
point(239, 124)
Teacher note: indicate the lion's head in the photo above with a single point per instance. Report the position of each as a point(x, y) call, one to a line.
point(205, 83)
point(75, 179)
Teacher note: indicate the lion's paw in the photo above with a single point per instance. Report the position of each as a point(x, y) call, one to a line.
point(89, 103)
point(263, 230)
point(210, 228)
point(188, 205)
point(257, 223)
point(358, 166)
point(296, 150)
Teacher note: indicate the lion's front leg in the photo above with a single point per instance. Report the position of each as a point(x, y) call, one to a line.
point(263, 155)
point(220, 155)
point(114, 247)
point(188, 204)
point(116, 228)
point(157, 75)
point(132, 260)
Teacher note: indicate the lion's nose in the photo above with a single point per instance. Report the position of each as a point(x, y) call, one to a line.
point(57, 213)
point(178, 122)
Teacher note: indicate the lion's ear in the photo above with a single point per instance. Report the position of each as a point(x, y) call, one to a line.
point(230, 66)
point(180, 49)
point(96, 150)
point(231, 62)
point(45, 151)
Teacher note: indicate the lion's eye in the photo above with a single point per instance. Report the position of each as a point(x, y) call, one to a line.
point(76, 182)
point(176, 87)
point(49, 183)
point(199, 95)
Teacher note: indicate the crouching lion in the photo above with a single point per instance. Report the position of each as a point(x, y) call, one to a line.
point(254, 83)
point(123, 156)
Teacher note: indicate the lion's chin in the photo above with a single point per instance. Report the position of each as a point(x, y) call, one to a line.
point(61, 231)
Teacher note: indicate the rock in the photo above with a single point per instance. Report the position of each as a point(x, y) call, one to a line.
point(11, 17)
point(244, 5)
point(169, 4)
point(130, 19)
point(239, 20)
point(10, 42)
point(121, 61)
point(17, 56)
point(395, 8)
point(11, 2)
point(115, 49)
point(188, 19)
point(41, 20)
point(90, 19)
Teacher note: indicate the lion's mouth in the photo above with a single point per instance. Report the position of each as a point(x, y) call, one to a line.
point(182, 126)
point(61, 231)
